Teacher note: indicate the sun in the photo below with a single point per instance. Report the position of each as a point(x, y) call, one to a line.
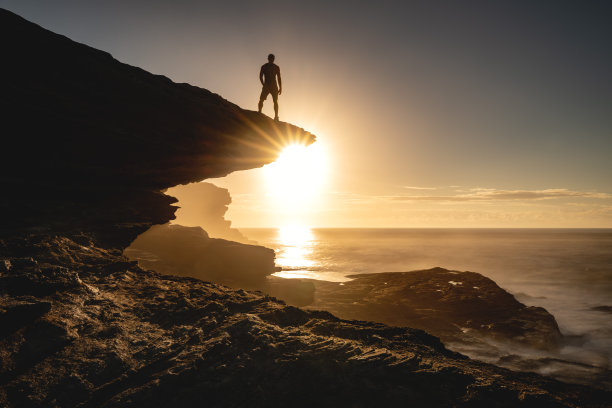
point(296, 179)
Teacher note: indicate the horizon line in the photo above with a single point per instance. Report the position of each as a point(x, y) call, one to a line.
point(463, 228)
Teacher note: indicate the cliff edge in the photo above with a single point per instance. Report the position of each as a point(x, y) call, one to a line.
point(90, 143)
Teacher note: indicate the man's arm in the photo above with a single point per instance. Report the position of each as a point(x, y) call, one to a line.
point(280, 82)
point(261, 75)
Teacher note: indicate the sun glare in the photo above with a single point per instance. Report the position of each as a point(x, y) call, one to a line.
point(295, 180)
point(297, 249)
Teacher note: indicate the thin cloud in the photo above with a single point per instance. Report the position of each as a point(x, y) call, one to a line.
point(418, 188)
point(481, 194)
point(537, 194)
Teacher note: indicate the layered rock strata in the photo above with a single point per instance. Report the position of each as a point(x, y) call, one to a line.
point(82, 326)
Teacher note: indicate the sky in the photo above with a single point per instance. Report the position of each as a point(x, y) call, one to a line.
point(428, 113)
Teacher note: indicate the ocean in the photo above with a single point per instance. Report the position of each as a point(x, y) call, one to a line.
point(566, 271)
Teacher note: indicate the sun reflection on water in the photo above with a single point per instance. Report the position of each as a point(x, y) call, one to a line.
point(295, 255)
point(296, 252)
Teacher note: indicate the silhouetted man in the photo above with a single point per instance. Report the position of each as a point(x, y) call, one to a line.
point(267, 76)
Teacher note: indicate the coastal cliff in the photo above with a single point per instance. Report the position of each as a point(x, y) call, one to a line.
point(89, 145)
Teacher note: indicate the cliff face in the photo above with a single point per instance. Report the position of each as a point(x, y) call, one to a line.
point(89, 143)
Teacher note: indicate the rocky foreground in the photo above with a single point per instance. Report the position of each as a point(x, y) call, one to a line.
point(83, 326)
point(453, 305)
point(469, 312)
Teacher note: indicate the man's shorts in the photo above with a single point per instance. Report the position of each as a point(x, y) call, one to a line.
point(265, 91)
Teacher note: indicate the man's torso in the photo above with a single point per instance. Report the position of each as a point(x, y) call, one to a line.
point(270, 71)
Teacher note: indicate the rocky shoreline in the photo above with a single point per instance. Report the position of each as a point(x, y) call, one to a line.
point(83, 326)
point(469, 312)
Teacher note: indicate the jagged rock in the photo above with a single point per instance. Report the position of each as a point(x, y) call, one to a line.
point(468, 311)
point(146, 339)
point(449, 304)
point(26, 277)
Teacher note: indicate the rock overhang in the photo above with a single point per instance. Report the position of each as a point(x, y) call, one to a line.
point(90, 143)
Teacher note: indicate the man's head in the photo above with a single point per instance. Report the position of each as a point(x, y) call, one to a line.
point(271, 57)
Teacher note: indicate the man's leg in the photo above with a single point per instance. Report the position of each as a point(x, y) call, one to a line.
point(262, 98)
point(275, 99)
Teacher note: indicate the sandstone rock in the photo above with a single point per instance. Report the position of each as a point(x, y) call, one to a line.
point(146, 339)
point(188, 251)
point(449, 304)
point(204, 205)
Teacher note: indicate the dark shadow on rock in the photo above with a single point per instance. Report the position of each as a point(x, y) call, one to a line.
point(16, 313)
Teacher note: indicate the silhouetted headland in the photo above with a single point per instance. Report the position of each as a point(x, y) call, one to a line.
point(189, 251)
point(89, 146)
